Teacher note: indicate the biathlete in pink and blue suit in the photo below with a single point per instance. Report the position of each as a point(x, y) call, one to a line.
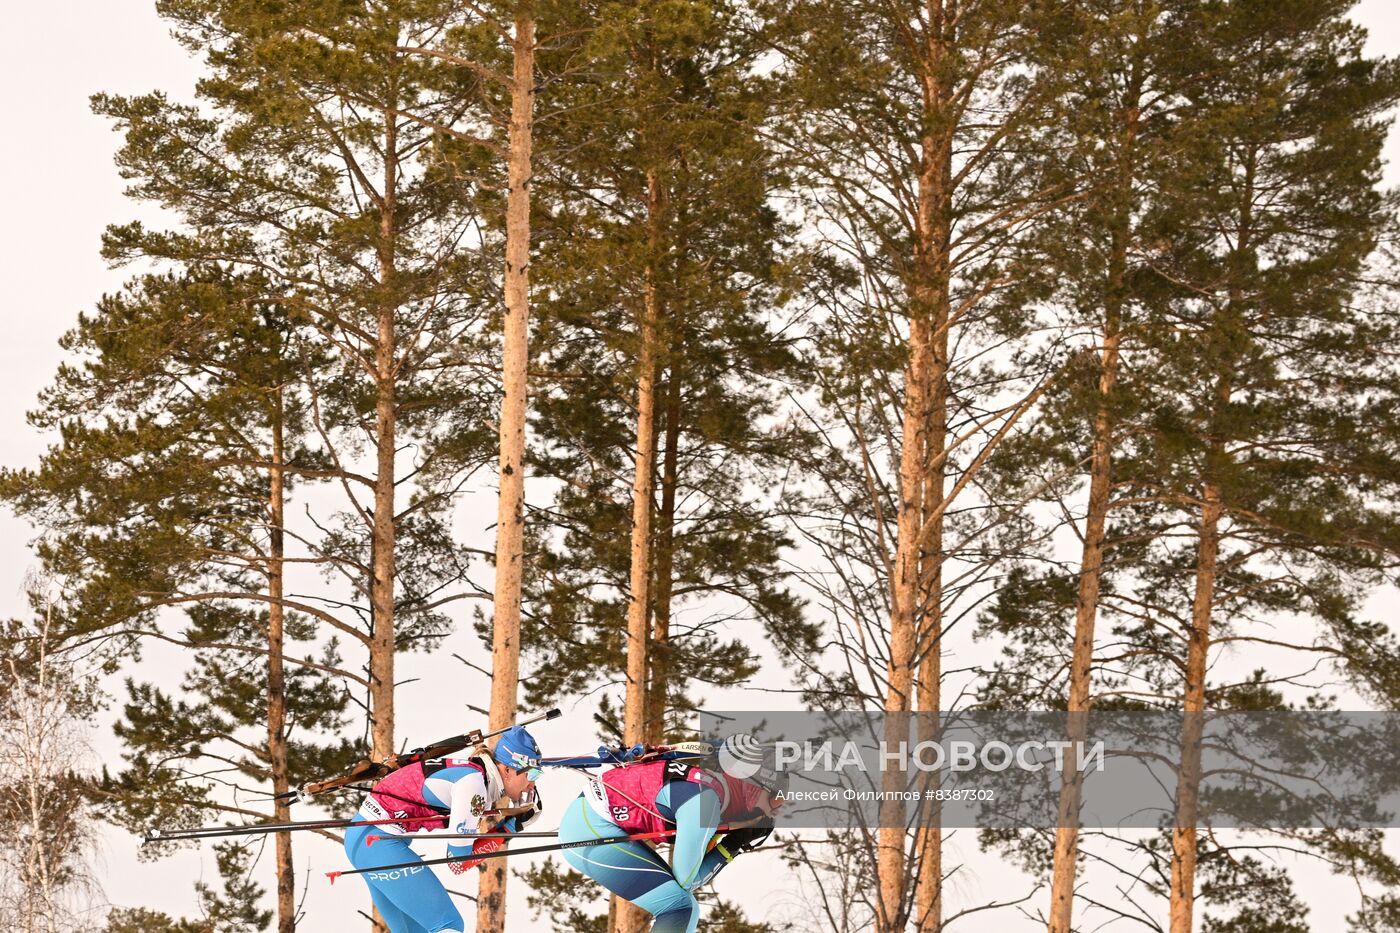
point(654, 796)
point(458, 792)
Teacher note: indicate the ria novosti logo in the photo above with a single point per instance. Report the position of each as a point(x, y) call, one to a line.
point(744, 757)
point(741, 756)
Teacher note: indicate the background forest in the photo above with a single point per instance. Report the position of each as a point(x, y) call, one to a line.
point(473, 358)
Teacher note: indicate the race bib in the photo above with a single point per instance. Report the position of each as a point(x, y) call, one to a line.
point(597, 798)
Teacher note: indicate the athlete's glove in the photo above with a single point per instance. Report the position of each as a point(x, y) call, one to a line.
point(737, 841)
point(479, 848)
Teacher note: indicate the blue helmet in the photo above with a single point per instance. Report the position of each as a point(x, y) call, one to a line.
point(517, 748)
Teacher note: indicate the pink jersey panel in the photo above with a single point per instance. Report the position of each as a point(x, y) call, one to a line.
point(401, 796)
point(632, 789)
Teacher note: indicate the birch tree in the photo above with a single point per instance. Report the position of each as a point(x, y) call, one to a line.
point(45, 885)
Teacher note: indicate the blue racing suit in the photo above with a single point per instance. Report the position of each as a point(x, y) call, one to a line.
point(634, 870)
point(413, 900)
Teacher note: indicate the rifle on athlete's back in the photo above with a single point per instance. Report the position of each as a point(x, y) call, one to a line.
point(367, 770)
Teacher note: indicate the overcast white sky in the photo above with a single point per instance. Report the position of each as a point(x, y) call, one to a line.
point(62, 190)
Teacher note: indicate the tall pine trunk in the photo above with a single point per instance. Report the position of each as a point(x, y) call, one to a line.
point(1183, 863)
point(382, 524)
point(904, 598)
point(382, 529)
point(626, 918)
point(659, 650)
point(510, 509)
point(659, 658)
point(276, 676)
point(911, 615)
point(1065, 860)
point(928, 843)
point(643, 479)
point(1183, 868)
point(1064, 864)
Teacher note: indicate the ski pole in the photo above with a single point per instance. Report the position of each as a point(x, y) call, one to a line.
point(371, 840)
point(210, 832)
point(501, 853)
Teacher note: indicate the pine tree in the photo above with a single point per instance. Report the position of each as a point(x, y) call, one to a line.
point(1249, 146)
point(309, 170)
point(1125, 65)
point(179, 434)
point(235, 909)
point(143, 920)
point(510, 520)
point(513, 26)
point(657, 409)
point(901, 118)
point(704, 269)
point(1271, 431)
point(232, 910)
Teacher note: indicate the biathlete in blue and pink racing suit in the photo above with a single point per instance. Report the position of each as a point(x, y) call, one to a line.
point(459, 792)
point(654, 796)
